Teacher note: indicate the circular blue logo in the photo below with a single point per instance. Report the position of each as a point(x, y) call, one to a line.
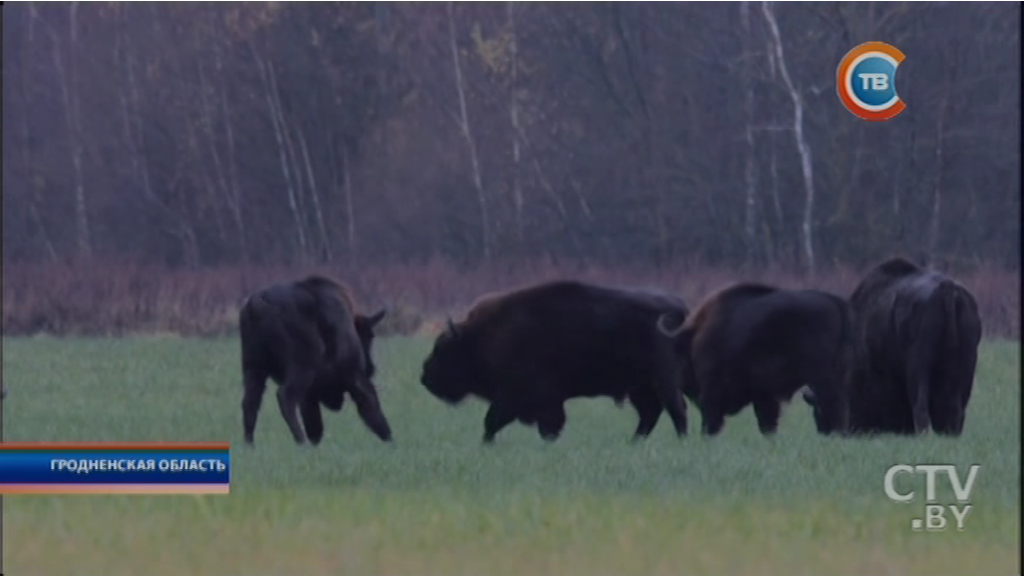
point(866, 81)
point(873, 81)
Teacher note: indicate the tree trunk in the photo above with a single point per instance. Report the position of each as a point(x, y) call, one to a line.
point(467, 133)
point(349, 207)
point(268, 80)
point(235, 194)
point(750, 176)
point(69, 93)
point(26, 150)
point(514, 113)
point(220, 173)
point(315, 194)
point(804, 149)
point(936, 218)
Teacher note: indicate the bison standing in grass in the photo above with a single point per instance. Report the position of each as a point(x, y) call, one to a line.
point(754, 344)
point(918, 333)
point(529, 350)
point(306, 336)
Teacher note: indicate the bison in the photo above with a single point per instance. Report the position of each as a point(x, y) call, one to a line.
point(750, 343)
point(528, 351)
point(917, 334)
point(306, 337)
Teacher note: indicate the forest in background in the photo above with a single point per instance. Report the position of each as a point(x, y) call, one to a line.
point(162, 160)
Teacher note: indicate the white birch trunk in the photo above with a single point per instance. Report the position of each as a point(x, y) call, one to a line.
point(66, 80)
point(936, 218)
point(750, 204)
point(315, 195)
point(349, 206)
point(467, 133)
point(804, 149)
point(517, 190)
point(300, 229)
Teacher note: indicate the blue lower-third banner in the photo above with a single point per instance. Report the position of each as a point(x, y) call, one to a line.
point(114, 468)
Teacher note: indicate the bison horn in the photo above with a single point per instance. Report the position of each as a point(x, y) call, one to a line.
point(809, 397)
point(670, 332)
point(377, 316)
point(452, 328)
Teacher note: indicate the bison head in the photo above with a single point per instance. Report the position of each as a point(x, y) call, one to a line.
point(680, 340)
point(808, 396)
point(827, 421)
point(448, 371)
point(364, 329)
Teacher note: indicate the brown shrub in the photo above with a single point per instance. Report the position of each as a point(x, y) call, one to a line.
point(114, 299)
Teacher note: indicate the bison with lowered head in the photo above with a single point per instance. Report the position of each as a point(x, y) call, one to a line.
point(306, 336)
point(754, 344)
point(918, 333)
point(528, 351)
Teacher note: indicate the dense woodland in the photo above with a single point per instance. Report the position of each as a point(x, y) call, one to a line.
point(161, 159)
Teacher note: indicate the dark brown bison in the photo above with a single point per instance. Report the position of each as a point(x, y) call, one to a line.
point(529, 350)
point(917, 333)
point(754, 344)
point(306, 337)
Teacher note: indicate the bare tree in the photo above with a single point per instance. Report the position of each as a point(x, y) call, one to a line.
point(750, 171)
point(940, 164)
point(291, 188)
point(517, 190)
point(803, 148)
point(463, 121)
point(643, 135)
point(69, 91)
point(315, 194)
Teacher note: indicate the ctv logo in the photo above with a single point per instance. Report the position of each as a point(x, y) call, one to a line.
point(866, 81)
point(935, 513)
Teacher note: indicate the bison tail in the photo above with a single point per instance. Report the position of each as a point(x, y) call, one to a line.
point(664, 328)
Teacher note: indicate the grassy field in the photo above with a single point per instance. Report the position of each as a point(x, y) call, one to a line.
point(438, 503)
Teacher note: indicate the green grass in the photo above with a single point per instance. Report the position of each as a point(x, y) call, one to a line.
point(438, 503)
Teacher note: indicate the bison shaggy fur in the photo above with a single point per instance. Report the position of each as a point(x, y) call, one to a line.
point(529, 350)
point(755, 344)
point(917, 334)
point(307, 338)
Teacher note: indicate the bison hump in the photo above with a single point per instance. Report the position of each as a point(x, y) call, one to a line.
point(717, 305)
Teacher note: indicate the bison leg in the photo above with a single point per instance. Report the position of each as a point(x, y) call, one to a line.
point(712, 410)
point(551, 421)
point(254, 384)
point(767, 410)
point(500, 414)
point(712, 421)
point(947, 412)
point(368, 405)
point(312, 419)
point(669, 393)
point(949, 402)
point(289, 396)
point(711, 404)
point(649, 409)
point(830, 401)
point(947, 416)
point(918, 383)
